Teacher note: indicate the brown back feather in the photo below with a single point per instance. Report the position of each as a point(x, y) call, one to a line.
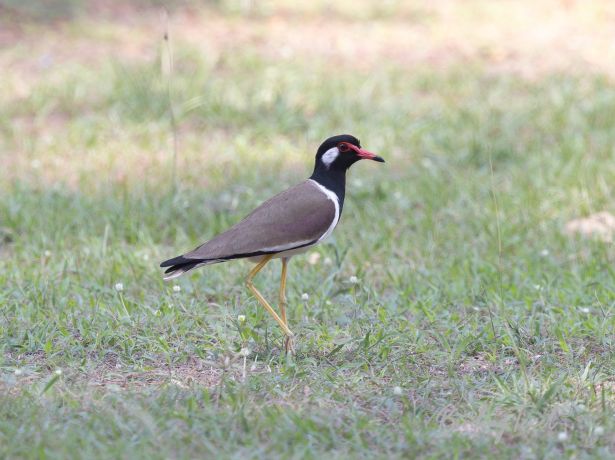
point(295, 217)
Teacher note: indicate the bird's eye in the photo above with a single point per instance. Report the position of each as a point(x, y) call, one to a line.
point(343, 148)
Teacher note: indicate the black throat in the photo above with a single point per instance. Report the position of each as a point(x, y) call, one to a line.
point(332, 179)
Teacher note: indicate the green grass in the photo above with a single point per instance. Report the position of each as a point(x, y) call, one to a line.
point(478, 329)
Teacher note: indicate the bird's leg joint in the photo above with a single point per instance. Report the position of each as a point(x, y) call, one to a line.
point(260, 297)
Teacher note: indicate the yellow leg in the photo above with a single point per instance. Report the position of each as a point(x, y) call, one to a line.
point(283, 290)
point(288, 344)
point(260, 297)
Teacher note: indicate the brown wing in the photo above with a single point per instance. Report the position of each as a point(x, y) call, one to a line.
point(294, 218)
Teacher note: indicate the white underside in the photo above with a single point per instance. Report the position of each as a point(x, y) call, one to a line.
point(333, 197)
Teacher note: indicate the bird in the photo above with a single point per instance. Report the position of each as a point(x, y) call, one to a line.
point(286, 225)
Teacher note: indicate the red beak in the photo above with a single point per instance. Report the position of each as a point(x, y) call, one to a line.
point(365, 154)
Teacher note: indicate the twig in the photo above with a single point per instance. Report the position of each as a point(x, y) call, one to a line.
point(169, 74)
point(514, 340)
point(499, 234)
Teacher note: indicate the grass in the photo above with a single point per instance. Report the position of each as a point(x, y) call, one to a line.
point(477, 329)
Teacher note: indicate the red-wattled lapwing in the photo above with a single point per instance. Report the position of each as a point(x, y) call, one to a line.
point(285, 225)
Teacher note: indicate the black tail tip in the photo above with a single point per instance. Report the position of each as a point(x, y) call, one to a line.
point(178, 270)
point(179, 260)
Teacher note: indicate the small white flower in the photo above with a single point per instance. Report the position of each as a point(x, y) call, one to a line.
point(327, 261)
point(58, 371)
point(397, 391)
point(177, 288)
point(544, 252)
point(145, 256)
point(538, 287)
point(119, 287)
point(244, 352)
point(585, 310)
point(305, 296)
point(241, 318)
point(313, 258)
point(47, 253)
point(327, 302)
point(353, 280)
point(179, 383)
point(18, 372)
point(562, 436)
point(599, 430)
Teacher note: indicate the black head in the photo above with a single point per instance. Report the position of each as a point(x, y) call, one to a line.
point(341, 152)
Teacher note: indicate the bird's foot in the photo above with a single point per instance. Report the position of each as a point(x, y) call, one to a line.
point(289, 345)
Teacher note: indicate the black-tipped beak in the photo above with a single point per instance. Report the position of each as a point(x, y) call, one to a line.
point(368, 155)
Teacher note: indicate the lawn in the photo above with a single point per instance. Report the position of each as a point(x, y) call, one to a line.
point(450, 315)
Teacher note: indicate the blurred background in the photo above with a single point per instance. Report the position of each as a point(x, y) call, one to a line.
point(465, 98)
point(480, 254)
point(85, 95)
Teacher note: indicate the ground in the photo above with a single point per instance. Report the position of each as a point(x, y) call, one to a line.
point(452, 314)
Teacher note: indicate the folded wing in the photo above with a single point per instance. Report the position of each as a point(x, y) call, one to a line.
point(295, 218)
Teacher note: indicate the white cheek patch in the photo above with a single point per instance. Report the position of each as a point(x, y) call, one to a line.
point(329, 156)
